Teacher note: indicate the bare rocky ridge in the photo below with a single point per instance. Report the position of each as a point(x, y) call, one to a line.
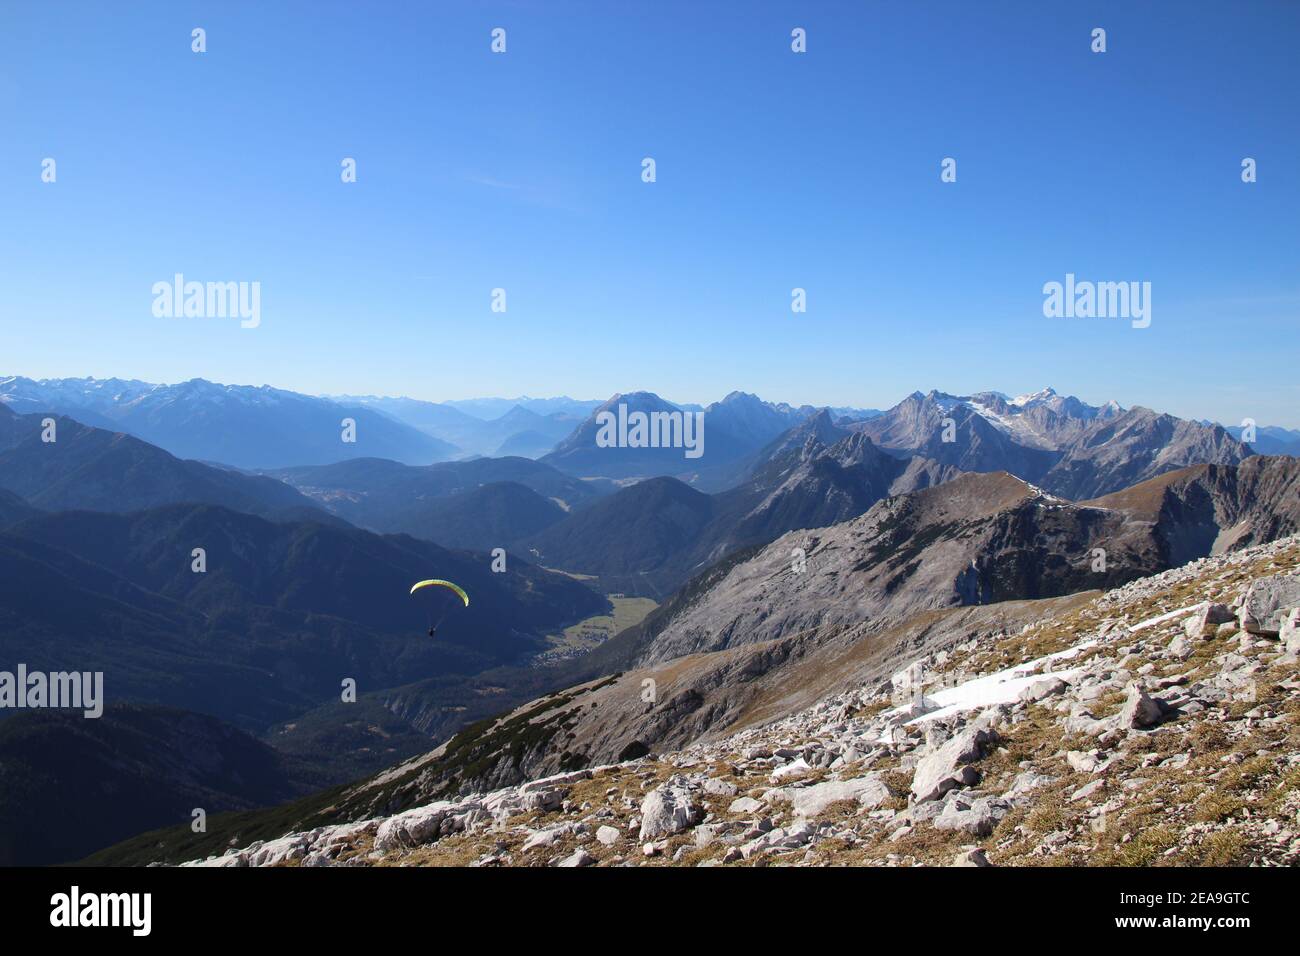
point(1064, 446)
point(1121, 728)
point(653, 536)
point(981, 539)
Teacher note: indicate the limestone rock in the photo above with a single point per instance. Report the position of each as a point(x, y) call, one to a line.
point(666, 810)
point(869, 791)
point(975, 857)
point(1264, 602)
point(1139, 710)
point(948, 766)
point(1042, 689)
point(1206, 620)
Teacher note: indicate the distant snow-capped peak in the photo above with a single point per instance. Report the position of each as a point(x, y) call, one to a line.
point(1033, 398)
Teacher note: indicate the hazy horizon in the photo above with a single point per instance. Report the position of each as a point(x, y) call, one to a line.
point(676, 400)
point(775, 171)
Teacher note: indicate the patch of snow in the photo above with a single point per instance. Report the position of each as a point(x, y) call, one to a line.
point(1020, 401)
point(1001, 687)
point(1169, 616)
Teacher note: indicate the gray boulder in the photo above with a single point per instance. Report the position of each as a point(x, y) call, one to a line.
point(745, 805)
point(1042, 689)
point(977, 818)
point(1265, 601)
point(1290, 633)
point(668, 809)
point(719, 788)
point(869, 791)
point(975, 857)
point(414, 827)
point(1206, 620)
point(948, 766)
point(1139, 709)
point(579, 857)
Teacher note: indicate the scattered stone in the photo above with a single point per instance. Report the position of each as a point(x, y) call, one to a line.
point(668, 809)
point(719, 788)
point(745, 805)
point(976, 818)
point(1264, 602)
point(791, 769)
point(1084, 792)
point(869, 791)
point(1082, 762)
point(1289, 633)
point(1206, 620)
point(949, 766)
point(1042, 689)
point(1026, 783)
point(1139, 710)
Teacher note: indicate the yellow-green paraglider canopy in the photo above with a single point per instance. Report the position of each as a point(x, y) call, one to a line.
point(438, 582)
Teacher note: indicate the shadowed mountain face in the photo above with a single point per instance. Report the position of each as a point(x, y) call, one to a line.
point(1069, 448)
point(729, 433)
point(237, 425)
point(649, 538)
point(283, 613)
point(980, 539)
point(89, 468)
point(14, 509)
point(391, 497)
point(647, 531)
point(646, 538)
point(491, 516)
point(1209, 509)
point(140, 767)
point(593, 450)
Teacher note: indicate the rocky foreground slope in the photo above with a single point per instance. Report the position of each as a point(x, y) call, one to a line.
point(1155, 724)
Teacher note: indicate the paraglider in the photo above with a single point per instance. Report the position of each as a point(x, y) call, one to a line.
point(444, 602)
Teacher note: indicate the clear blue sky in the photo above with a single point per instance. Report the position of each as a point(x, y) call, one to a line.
point(775, 170)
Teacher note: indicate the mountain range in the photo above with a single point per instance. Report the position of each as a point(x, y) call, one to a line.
point(84, 467)
point(983, 553)
point(649, 538)
point(1072, 449)
point(943, 511)
point(757, 638)
point(266, 428)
